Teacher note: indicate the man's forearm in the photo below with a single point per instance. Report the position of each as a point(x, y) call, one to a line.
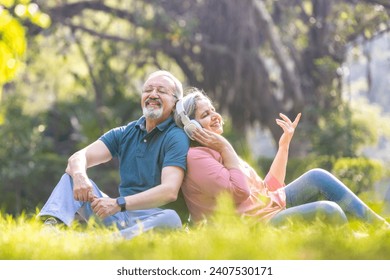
point(167, 191)
point(77, 164)
point(155, 197)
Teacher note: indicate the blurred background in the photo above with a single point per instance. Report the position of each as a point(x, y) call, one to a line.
point(71, 70)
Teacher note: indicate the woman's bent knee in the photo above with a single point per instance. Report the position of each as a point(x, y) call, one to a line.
point(317, 173)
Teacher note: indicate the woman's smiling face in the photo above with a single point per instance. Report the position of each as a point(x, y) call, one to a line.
point(207, 116)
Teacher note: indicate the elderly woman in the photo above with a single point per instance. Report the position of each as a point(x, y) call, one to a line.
point(214, 167)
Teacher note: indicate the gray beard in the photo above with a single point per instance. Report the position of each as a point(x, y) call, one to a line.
point(152, 113)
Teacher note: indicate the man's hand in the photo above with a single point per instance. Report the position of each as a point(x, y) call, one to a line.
point(105, 206)
point(82, 187)
point(92, 155)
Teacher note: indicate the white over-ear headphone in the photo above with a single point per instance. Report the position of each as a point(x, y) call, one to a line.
point(189, 125)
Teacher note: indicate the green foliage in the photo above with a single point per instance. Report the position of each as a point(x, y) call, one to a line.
point(12, 46)
point(348, 20)
point(343, 133)
point(360, 174)
point(12, 35)
point(225, 237)
point(28, 164)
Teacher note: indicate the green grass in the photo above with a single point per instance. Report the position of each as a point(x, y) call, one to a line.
point(225, 237)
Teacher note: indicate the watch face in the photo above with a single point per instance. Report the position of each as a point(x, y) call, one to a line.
point(121, 202)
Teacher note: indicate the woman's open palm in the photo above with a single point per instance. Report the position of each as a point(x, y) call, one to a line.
point(288, 129)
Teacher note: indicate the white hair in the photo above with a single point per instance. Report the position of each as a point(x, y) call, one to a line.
point(178, 84)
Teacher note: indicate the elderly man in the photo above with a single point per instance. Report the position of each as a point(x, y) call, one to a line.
point(152, 155)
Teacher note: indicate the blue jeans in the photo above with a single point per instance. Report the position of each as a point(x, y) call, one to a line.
point(63, 206)
point(317, 193)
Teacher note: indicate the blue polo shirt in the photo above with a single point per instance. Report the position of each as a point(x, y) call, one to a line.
point(143, 155)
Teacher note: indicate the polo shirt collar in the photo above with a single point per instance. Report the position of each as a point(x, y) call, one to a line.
point(141, 123)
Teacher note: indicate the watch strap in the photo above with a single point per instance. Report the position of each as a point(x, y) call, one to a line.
point(122, 203)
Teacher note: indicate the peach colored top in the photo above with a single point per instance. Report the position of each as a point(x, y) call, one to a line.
point(207, 177)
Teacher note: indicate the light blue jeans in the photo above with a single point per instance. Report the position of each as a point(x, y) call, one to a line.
point(63, 206)
point(318, 193)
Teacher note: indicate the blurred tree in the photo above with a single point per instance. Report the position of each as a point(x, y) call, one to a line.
point(13, 14)
point(28, 164)
point(12, 45)
point(256, 58)
point(350, 129)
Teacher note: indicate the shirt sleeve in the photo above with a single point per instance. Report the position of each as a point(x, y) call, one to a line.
point(112, 140)
point(177, 149)
point(272, 183)
point(212, 177)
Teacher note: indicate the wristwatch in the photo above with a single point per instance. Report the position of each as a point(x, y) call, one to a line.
point(122, 203)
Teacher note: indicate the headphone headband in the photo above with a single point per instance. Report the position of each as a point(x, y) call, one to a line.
point(189, 125)
point(182, 113)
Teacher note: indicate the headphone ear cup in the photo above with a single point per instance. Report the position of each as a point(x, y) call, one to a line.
point(190, 128)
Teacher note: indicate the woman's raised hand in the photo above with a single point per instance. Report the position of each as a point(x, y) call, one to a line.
point(288, 129)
